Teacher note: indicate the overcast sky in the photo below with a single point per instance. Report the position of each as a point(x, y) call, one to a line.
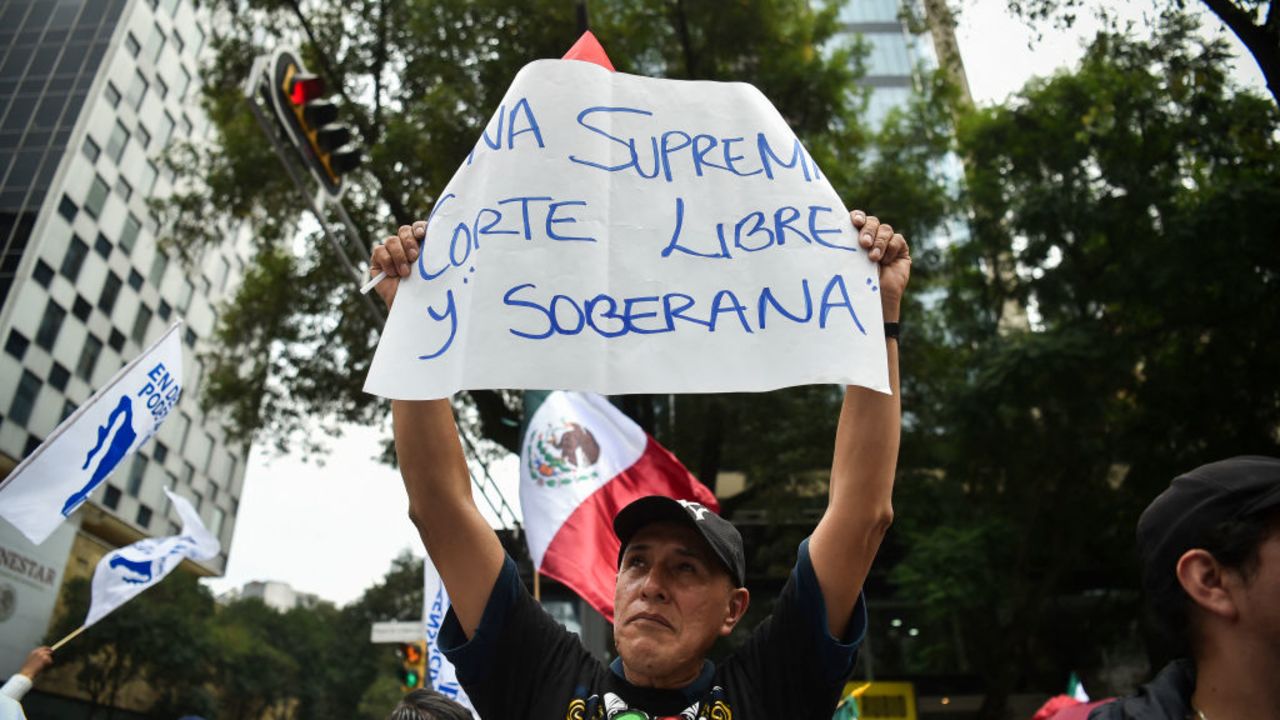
point(333, 530)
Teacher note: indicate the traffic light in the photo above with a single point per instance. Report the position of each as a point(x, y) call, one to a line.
point(413, 664)
point(312, 121)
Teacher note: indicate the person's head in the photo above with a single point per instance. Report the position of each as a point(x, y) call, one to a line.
point(681, 572)
point(1210, 549)
point(424, 704)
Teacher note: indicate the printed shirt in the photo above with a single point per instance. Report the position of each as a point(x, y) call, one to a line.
point(521, 663)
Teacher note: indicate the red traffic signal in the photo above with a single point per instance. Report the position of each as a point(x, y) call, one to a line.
point(311, 119)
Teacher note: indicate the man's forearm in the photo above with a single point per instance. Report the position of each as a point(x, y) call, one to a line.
point(462, 546)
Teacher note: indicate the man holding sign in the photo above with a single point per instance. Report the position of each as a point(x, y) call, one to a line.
point(680, 578)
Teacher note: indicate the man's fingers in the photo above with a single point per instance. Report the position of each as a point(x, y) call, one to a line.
point(896, 248)
point(380, 260)
point(399, 252)
point(868, 235)
point(859, 218)
point(884, 233)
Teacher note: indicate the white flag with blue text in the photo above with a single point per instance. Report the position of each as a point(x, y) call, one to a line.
point(435, 605)
point(122, 574)
point(55, 479)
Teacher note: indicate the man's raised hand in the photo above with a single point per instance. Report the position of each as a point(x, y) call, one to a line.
point(395, 257)
point(890, 250)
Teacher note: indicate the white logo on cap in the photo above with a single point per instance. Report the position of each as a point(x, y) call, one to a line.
point(695, 508)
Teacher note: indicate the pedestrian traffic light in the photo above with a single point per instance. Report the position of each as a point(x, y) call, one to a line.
point(413, 662)
point(311, 119)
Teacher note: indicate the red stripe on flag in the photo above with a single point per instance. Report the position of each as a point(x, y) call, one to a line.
point(583, 555)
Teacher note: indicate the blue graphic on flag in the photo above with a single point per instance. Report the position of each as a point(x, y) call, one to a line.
point(115, 452)
point(135, 571)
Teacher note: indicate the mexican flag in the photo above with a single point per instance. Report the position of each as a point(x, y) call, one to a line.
point(581, 462)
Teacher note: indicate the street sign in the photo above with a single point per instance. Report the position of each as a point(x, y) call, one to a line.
point(398, 632)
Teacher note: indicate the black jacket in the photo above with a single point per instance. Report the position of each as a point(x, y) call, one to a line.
point(1166, 697)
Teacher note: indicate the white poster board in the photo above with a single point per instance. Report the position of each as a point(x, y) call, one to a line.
point(623, 234)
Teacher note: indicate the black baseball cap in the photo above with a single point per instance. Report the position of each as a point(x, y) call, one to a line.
point(720, 534)
point(1181, 517)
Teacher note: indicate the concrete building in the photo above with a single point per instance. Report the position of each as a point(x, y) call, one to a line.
point(93, 91)
point(274, 594)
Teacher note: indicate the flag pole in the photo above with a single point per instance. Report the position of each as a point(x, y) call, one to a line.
point(537, 587)
point(68, 638)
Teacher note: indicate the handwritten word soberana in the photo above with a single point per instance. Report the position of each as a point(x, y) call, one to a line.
point(611, 317)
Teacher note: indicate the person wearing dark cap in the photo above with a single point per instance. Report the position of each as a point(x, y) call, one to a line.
point(681, 570)
point(1210, 552)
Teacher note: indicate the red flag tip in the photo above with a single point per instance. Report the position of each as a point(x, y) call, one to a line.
point(589, 49)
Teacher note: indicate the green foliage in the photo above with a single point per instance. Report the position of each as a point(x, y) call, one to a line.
point(243, 659)
point(1131, 208)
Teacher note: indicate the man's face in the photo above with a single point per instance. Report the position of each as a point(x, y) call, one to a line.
point(672, 600)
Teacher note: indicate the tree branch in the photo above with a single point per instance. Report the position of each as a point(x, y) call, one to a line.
point(1263, 42)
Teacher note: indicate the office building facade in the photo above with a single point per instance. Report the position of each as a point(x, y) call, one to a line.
point(95, 90)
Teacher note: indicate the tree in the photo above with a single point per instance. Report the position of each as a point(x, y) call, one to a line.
point(159, 637)
point(1099, 333)
point(1255, 22)
point(419, 78)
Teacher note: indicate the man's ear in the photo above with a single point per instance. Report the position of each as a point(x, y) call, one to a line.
point(1208, 583)
point(739, 600)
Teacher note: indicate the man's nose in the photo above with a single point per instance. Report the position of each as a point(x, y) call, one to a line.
point(654, 586)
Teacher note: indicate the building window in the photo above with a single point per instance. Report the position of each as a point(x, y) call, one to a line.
point(136, 471)
point(208, 456)
point(149, 175)
point(219, 517)
point(102, 246)
point(116, 340)
point(186, 124)
point(58, 376)
point(129, 233)
point(155, 43)
point(178, 43)
point(112, 94)
point(161, 453)
point(88, 358)
point(112, 497)
point(144, 137)
point(116, 143)
point(25, 399)
point(67, 208)
point(144, 515)
point(166, 128)
point(183, 88)
point(199, 40)
point(170, 6)
point(213, 492)
point(196, 500)
point(43, 274)
point(184, 295)
point(190, 338)
point(81, 309)
point(17, 344)
point(141, 324)
point(224, 271)
point(74, 259)
point(159, 264)
point(97, 196)
point(68, 409)
point(164, 310)
point(50, 325)
point(91, 149)
point(123, 188)
point(137, 90)
point(135, 279)
point(188, 470)
point(162, 87)
point(131, 44)
point(110, 292)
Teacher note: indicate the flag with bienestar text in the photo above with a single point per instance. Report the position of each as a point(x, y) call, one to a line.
point(581, 462)
point(83, 451)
